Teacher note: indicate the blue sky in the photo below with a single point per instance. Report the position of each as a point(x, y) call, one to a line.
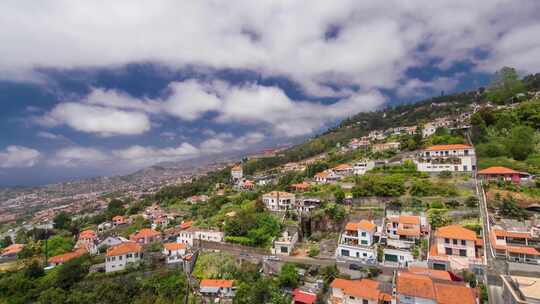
point(82, 95)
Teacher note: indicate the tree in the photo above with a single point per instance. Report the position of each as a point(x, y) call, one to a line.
point(34, 270)
point(6, 241)
point(115, 207)
point(438, 218)
point(58, 244)
point(472, 202)
point(62, 221)
point(288, 277)
point(521, 142)
point(509, 208)
point(504, 86)
point(71, 272)
point(339, 195)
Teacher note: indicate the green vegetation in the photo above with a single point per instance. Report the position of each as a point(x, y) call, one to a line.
point(505, 86)
point(251, 226)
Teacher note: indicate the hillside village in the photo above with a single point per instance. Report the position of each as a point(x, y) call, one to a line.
point(431, 210)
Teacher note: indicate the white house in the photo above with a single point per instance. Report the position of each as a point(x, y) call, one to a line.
point(356, 242)
point(284, 245)
point(361, 167)
point(218, 289)
point(397, 257)
point(326, 176)
point(189, 235)
point(112, 241)
point(278, 200)
point(454, 248)
point(119, 256)
point(174, 252)
point(236, 173)
point(438, 158)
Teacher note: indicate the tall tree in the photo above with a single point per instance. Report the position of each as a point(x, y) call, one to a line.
point(505, 85)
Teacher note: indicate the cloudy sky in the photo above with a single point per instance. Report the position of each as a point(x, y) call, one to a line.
point(107, 87)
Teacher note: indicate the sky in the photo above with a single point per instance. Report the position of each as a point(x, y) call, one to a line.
point(108, 87)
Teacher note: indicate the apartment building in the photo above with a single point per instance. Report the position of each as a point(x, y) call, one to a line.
point(516, 245)
point(356, 242)
point(454, 158)
point(188, 236)
point(278, 200)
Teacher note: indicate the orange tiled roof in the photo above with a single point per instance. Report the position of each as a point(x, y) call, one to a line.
point(456, 232)
point(454, 294)
point(415, 285)
point(280, 193)
point(523, 250)
point(323, 174)
point(497, 170)
point(186, 224)
point(87, 234)
point(216, 283)
point(343, 167)
point(144, 233)
point(409, 219)
point(302, 185)
point(367, 289)
point(512, 234)
point(412, 231)
point(362, 225)
point(62, 258)
point(124, 248)
point(174, 246)
point(12, 249)
point(449, 147)
point(433, 273)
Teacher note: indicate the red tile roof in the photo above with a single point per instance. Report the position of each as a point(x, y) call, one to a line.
point(362, 225)
point(304, 297)
point(12, 249)
point(523, 250)
point(62, 258)
point(456, 232)
point(216, 283)
point(449, 147)
point(87, 234)
point(124, 248)
point(498, 170)
point(454, 294)
point(409, 219)
point(367, 289)
point(436, 274)
point(174, 246)
point(186, 224)
point(144, 233)
point(423, 286)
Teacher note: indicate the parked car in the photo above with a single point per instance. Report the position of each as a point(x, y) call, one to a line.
point(355, 267)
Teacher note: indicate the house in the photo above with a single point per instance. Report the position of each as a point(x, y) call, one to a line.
point(62, 258)
point(363, 291)
point(118, 220)
point(438, 158)
point(356, 143)
point(87, 240)
point(195, 199)
point(88, 236)
point(247, 184)
point(278, 200)
point(376, 135)
point(284, 245)
point(327, 176)
point(343, 169)
point(236, 173)
point(356, 242)
point(303, 297)
point(293, 167)
point(145, 236)
point(393, 145)
point(11, 251)
point(188, 236)
point(160, 222)
point(105, 226)
point(429, 129)
point(520, 289)
point(361, 167)
point(454, 248)
point(430, 288)
point(217, 288)
point(403, 231)
point(174, 252)
point(515, 245)
point(393, 257)
point(500, 174)
point(306, 205)
point(301, 187)
point(112, 241)
point(119, 256)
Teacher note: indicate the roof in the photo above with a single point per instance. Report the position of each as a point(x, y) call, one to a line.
point(304, 297)
point(12, 249)
point(433, 273)
point(216, 283)
point(456, 232)
point(144, 233)
point(280, 193)
point(124, 248)
point(409, 219)
point(448, 147)
point(302, 185)
point(367, 289)
point(236, 168)
point(322, 174)
point(118, 218)
point(512, 234)
point(186, 224)
point(174, 246)
point(424, 286)
point(343, 167)
point(362, 225)
point(523, 250)
point(62, 258)
point(87, 234)
point(498, 170)
point(408, 231)
point(528, 286)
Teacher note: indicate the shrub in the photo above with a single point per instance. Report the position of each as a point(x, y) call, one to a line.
point(445, 174)
point(314, 250)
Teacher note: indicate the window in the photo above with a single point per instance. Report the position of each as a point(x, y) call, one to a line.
point(462, 252)
point(120, 258)
point(363, 233)
point(447, 241)
point(448, 251)
point(363, 242)
point(364, 301)
point(284, 249)
point(129, 255)
point(344, 252)
point(364, 254)
point(454, 242)
point(463, 242)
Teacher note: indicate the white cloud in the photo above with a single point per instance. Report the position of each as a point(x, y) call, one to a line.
point(78, 156)
point(376, 41)
point(142, 156)
point(101, 120)
point(418, 88)
point(18, 157)
point(190, 100)
point(226, 142)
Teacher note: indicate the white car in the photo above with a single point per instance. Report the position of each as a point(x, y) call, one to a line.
point(272, 258)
